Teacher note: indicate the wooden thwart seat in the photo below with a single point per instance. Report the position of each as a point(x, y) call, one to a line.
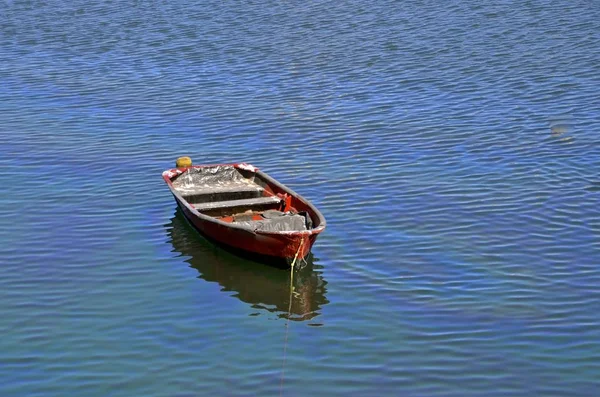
point(229, 188)
point(226, 192)
point(245, 203)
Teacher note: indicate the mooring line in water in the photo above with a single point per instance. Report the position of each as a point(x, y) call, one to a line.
point(288, 316)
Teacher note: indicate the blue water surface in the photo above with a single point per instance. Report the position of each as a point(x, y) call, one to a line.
point(452, 146)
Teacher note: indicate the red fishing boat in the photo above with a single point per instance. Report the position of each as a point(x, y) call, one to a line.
point(242, 209)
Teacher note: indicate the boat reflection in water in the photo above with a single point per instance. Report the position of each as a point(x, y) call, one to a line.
point(261, 286)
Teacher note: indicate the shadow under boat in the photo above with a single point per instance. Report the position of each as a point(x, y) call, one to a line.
point(261, 286)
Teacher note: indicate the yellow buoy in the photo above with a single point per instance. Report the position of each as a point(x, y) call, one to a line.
point(183, 162)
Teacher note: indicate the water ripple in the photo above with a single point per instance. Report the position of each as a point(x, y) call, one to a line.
point(453, 150)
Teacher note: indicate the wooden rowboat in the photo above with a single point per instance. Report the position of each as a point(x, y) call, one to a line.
point(243, 210)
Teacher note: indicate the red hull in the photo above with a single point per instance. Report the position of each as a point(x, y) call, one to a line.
point(267, 246)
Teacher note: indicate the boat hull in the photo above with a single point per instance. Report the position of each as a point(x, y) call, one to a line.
point(277, 250)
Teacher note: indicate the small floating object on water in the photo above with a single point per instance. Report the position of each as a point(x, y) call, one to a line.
point(560, 126)
point(183, 162)
point(244, 210)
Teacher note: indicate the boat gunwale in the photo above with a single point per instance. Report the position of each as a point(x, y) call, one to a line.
point(173, 172)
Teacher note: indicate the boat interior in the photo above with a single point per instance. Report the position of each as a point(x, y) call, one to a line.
point(239, 197)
